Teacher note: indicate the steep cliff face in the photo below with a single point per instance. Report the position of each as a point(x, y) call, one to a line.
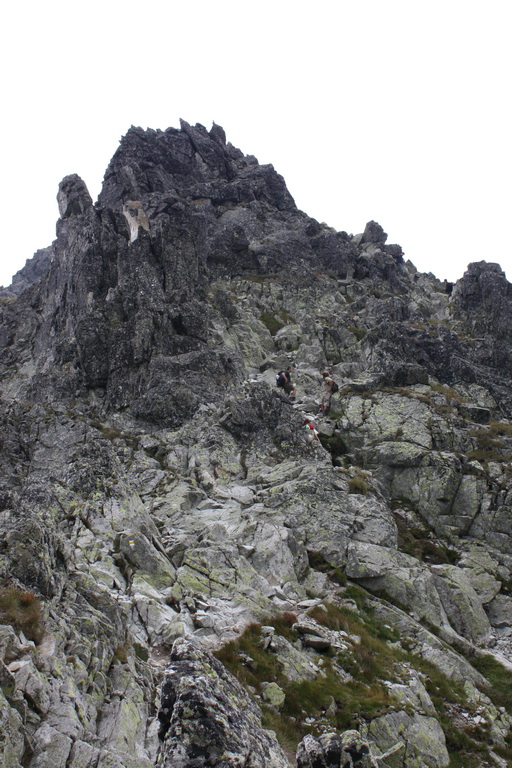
point(160, 499)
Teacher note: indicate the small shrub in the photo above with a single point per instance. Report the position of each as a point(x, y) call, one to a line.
point(121, 654)
point(358, 485)
point(22, 610)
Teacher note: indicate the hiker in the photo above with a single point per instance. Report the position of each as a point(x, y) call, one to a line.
point(330, 388)
point(284, 380)
point(309, 426)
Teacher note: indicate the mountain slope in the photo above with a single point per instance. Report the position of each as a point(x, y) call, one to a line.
point(161, 500)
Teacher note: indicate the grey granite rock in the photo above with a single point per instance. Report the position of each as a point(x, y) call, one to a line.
point(157, 488)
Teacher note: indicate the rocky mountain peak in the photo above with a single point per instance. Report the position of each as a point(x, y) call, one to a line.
point(192, 163)
point(199, 568)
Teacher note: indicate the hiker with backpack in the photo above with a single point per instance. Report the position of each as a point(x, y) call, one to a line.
point(330, 388)
point(309, 426)
point(284, 381)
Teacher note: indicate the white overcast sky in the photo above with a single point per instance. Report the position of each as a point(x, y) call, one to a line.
point(392, 110)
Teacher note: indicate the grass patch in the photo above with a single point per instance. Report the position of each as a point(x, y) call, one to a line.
point(449, 392)
point(484, 455)
point(400, 502)
point(373, 633)
point(363, 697)
point(260, 278)
point(491, 443)
point(415, 541)
point(121, 654)
point(286, 317)
point(141, 651)
point(502, 428)
point(499, 677)
point(22, 610)
point(330, 702)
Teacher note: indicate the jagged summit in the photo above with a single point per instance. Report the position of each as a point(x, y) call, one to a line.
point(162, 500)
point(192, 163)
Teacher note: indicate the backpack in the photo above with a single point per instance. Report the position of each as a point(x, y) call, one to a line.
point(334, 387)
point(281, 379)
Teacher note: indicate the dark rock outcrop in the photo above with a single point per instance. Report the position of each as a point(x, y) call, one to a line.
point(207, 718)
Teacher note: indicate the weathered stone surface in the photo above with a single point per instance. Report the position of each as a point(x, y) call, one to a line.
point(207, 718)
point(331, 749)
point(12, 736)
point(398, 576)
point(499, 611)
point(155, 485)
point(422, 736)
point(461, 603)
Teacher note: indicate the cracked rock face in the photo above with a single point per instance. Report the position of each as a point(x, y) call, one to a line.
point(159, 494)
point(204, 710)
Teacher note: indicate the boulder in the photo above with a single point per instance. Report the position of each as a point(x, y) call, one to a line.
point(461, 602)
